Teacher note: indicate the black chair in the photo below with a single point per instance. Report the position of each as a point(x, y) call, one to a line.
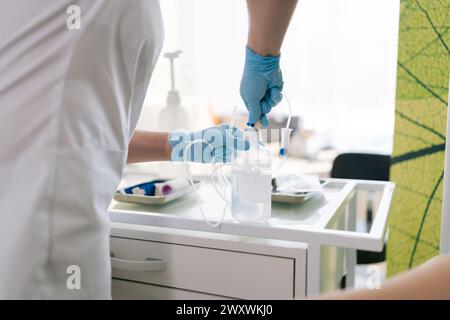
point(364, 166)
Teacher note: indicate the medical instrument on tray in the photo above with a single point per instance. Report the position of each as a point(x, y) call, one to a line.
point(158, 187)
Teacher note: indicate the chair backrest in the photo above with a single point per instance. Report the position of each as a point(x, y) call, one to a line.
point(363, 166)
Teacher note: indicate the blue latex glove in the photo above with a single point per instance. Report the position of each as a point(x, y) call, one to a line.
point(261, 86)
point(213, 145)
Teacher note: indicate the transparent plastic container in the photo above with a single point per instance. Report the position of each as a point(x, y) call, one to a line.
point(251, 180)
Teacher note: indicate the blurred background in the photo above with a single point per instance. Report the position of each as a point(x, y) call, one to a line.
point(338, 62)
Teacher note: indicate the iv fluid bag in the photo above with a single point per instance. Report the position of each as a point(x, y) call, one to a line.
point(252, 184)
point(251, 196)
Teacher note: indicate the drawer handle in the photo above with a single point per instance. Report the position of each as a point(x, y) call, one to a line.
point(149, 264)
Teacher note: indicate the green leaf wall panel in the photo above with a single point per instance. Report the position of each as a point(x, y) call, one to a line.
point(420, 129)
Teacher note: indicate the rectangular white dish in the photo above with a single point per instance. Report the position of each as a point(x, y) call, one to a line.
point(154, 200)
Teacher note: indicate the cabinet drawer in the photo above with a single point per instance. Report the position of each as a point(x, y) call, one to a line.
point(212, 271)
point(128, 290)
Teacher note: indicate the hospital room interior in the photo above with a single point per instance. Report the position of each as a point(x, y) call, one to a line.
point(337, 190)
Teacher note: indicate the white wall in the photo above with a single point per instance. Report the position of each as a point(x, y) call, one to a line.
point(338, 61)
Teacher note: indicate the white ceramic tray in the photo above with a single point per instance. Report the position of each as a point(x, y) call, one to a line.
point(298, 197)
point(154, 200)
point(294, 198)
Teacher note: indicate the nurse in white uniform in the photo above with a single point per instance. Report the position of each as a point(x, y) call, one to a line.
point(70, 99)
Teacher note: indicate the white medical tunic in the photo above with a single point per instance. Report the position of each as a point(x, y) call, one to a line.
point(69, 102)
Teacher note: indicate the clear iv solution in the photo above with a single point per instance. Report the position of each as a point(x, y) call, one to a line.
point(249, 202)
point(251, 197)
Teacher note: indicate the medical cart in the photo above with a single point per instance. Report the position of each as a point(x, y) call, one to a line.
point(169, 252)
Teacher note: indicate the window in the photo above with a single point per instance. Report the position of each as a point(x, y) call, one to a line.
point(338, 62)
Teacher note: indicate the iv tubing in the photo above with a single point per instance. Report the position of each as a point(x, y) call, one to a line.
point(218, 175)
point(289, 110)
point(197, 197)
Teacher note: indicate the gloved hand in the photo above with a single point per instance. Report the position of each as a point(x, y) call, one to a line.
point(213, 145)
point(261, 86)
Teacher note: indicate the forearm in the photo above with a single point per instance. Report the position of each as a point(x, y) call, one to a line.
point(149, 146)
point(269, 20)
point(429, 281)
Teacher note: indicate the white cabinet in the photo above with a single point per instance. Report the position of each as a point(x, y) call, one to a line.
point(160, 263)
